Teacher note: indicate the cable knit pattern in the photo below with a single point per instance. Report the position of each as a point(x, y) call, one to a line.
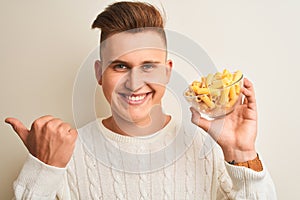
point(118, 181)
point(167, 182)
point(144, 177)
point(206, 152)
point(189, 172)
point(193, 175)
point(224, 186)
point(168, 172)
point(94, 186)
point(72, 180)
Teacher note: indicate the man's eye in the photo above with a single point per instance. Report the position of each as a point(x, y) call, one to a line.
point(120, 68)
point(147, 67)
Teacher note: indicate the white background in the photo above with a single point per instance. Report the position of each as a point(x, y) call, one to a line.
point(43, 44)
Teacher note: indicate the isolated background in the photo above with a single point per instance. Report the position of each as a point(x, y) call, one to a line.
point(43, 44)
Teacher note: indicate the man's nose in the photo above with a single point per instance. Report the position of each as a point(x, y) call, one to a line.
point(135, 80)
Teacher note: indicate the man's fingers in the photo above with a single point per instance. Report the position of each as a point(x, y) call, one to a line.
point(19, 128)
point(40, 122)
point(65, 127)
point(249, 93)
point(73, 131)
point(73, 134)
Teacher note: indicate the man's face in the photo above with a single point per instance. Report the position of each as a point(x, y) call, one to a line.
point(134, 74)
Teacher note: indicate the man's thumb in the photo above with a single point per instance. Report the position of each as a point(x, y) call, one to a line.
point(19, 128)
point(199, 121)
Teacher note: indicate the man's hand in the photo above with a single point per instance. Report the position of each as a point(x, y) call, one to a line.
point(236, 133)
point(50, 140)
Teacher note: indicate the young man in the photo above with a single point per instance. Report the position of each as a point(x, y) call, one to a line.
point(133, 71)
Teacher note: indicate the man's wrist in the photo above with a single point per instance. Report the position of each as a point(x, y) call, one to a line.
point(239, 156)
point(254, 164)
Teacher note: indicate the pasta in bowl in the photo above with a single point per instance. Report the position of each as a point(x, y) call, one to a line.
point(215, 95)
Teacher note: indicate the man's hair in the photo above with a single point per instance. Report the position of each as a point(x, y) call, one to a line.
point(129, 16)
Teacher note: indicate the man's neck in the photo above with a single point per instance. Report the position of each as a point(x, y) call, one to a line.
point(127, 128)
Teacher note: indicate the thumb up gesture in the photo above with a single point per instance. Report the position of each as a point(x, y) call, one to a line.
point(49, 139)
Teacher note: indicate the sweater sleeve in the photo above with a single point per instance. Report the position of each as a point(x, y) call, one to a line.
point(38, 180)
point(236, 182)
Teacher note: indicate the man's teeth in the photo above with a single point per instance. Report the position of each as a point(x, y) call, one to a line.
point(136, 98)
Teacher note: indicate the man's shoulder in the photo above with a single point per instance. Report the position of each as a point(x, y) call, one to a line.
point(90, 126)
point(90, 131)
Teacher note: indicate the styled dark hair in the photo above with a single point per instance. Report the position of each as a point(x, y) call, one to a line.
point(129, 16)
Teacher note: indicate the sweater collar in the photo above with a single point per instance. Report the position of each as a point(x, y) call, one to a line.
point(170, 128)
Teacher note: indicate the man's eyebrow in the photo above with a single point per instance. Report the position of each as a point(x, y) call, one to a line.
point(151, 61)
point(124, 62)
point(117, 61)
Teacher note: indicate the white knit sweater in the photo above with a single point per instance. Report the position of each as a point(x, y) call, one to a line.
point(106, 165)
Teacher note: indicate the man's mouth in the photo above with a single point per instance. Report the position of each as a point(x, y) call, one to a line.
point(136, 99)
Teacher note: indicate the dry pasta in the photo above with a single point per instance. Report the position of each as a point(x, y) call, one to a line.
point(216, 91)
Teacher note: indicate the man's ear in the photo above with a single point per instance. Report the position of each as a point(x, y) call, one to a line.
point(98, 71)
point(169, 65)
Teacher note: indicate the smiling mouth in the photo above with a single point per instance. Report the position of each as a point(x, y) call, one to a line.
point(135, 99)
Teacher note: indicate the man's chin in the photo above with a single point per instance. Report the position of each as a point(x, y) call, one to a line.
point(135, 119)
